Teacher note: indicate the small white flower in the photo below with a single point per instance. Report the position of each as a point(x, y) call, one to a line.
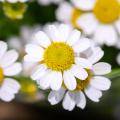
point(56, 54)
point(18, 43)
point(14, 1)
point(92, 87)
point(99, 18)
point(48, 2)
point(8, 67)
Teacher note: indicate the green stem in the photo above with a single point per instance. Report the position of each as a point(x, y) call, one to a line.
point(115, 74)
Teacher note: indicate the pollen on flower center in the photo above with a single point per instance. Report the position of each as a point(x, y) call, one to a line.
point(59, 56)
point(107, 11)
point(75, 15)
point(1, 76)
point(81, 84)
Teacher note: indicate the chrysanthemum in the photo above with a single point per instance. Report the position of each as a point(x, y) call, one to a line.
point(48, 2)
point(99, 18)
point(92, 87)
point(8, 68)
point(56, 54)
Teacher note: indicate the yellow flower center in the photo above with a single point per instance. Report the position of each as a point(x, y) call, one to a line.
point(14, 10)
point(82, 84)
point(59, 56)
point(107, 11)
point(1, 75)
point(76, 13)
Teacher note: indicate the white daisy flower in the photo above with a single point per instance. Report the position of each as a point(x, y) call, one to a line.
point(92, 87)
point(18, 43)
point(8, 67)
point(14, 1)
point(99, 18)
point(48, 2)
point(56, 54)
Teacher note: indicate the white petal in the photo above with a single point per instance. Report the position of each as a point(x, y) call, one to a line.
point(56, 96)
point(39, 72)
point(82, 45)
point(68, 102)
point(105, 34)
point(56, 81)
point(35, 53)
point(88, 23)
point(9, 58)
point(84, 4)
point(81, 102)
point(64, 12)
point(13, 69)
point(97, 55)
point(117, 24)
point(42, 39)
point(6, 96)
point(64, 31)
point(54, 33)
point(34, 49)
point(28, 67)
point(32, 58)
point(74, 37)
point(101, 83)
point(101, 68)
point(45, 81)
point(93, 94)
point(79, 72)
point(69, 80)
point(83, 62)
point(8, 90)
point(3, 48)
point(11, 84)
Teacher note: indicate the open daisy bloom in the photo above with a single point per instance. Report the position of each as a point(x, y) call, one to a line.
point(92, 86)
point(8, 67)
point(99, 18)
point(57, 56)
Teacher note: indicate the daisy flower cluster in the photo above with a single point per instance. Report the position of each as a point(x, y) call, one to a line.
point(57, 50)
point(65, 67)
